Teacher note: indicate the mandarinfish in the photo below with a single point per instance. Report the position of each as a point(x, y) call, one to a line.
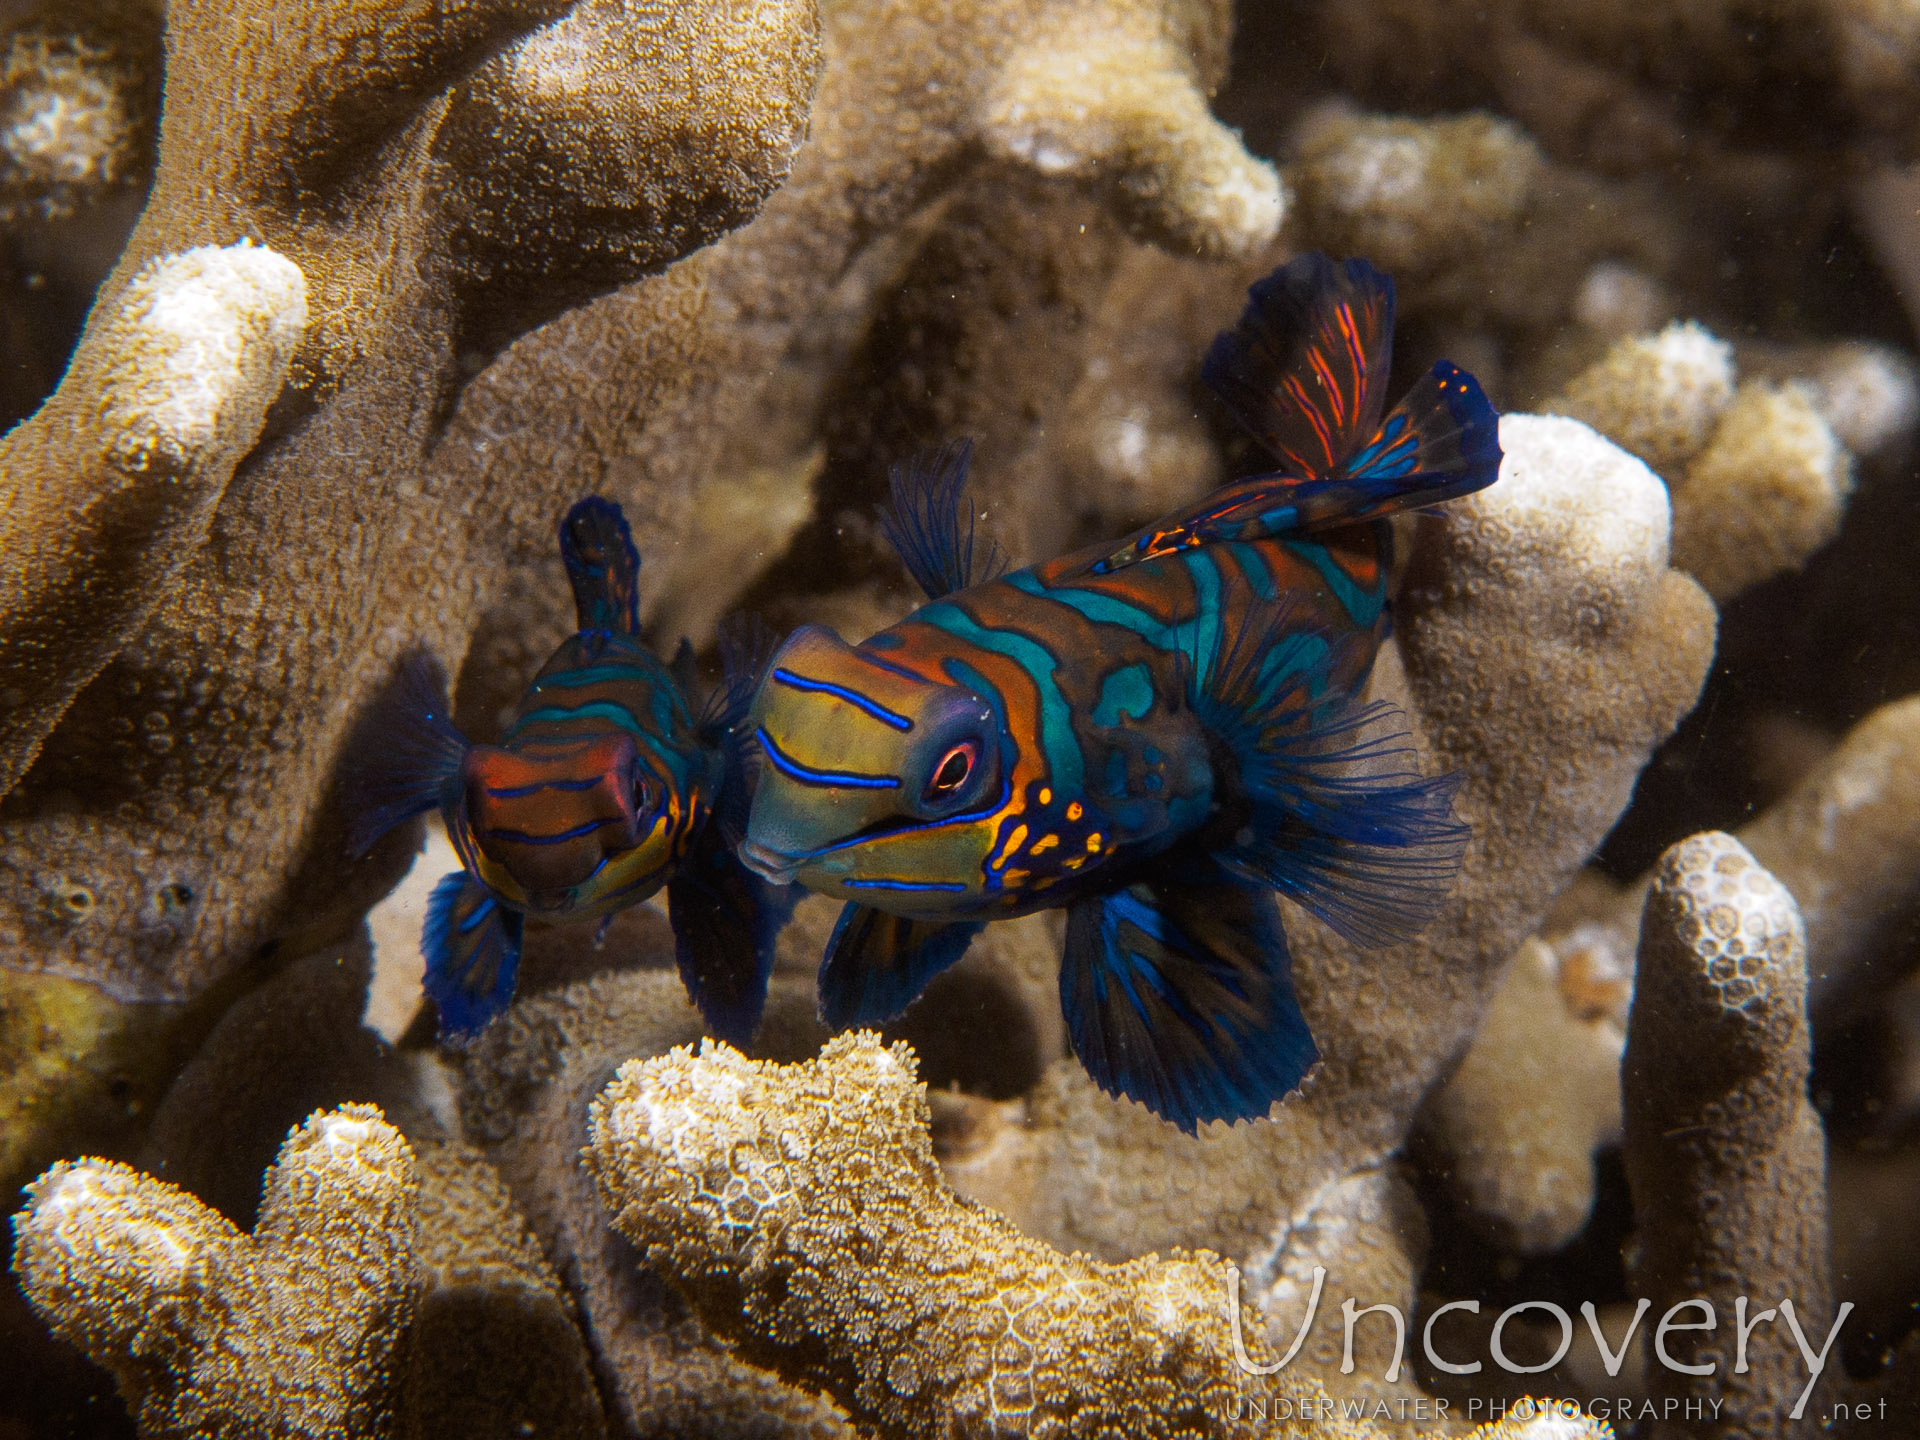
point(1156, 735)
point(605, 786)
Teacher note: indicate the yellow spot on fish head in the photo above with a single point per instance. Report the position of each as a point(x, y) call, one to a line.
point(1046, 795)
point(1093, 843)
point(1044, 844)
point(1074, 811)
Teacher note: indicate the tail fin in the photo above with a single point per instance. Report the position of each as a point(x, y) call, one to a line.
point(402, 754)
point(602, 566)
point(923, 522)
point(1342, 822)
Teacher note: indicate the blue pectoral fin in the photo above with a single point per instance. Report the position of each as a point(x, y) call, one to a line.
point(725, 922)
point(878, 963)
point(602, 566)
point(472, 948)
point(929, 522)
point(403, 753)
point(1339, 818)
point(1178, 993)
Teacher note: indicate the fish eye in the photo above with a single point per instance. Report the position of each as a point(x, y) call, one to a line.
point(640, 790)
point(953, 770)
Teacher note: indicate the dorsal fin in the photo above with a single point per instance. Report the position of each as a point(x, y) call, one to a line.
point(602, 566)
point(1305, 368)
point(1304, 371)
point(924, 522)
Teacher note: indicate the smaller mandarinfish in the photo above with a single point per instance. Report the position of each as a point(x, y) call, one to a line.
point(604, 787)
point(1156, 735)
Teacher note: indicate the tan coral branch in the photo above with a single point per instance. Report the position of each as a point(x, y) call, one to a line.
point(290, 1331)
point(801, 1210)
point(1125, 112)
point(1725, 1154)
point(107, 492)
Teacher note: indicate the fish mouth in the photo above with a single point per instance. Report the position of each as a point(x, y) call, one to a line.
point(770, 864)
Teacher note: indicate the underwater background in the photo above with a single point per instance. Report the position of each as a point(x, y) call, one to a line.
point(319, 316)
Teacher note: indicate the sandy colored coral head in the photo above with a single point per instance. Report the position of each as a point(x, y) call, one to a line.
point(290, 1331)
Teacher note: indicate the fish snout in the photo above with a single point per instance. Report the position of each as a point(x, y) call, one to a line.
point(769, 864)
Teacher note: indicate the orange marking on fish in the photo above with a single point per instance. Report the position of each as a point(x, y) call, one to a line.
point(1013, 844)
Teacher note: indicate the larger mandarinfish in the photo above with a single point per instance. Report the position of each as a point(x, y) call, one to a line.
point(605, 786)
point(1156, 735)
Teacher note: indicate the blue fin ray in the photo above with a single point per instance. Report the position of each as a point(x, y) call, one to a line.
point(1178, 993)
point(923, 522)
point(402, 755)
point(1339, 818)
point(877, 963)
point(602, 566)
point(472, 948)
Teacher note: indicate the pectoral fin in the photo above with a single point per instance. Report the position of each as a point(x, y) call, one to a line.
point(1179, 994)
point(878, 963)
point(725, 921)
point(472, 948)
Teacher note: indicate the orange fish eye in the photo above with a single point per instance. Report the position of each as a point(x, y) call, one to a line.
point(952, 771)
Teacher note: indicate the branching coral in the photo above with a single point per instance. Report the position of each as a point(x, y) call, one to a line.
point(145, 437)
point(493, 1342)
point(525, 1096)
point(801, 1210)
point(1845, 841)
point(1517, 1124)
point(1476, 225)
point(1759, 479)
point(1635, 86)
point(1725, 1154)
point(332, 171)
point(290, 1331)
